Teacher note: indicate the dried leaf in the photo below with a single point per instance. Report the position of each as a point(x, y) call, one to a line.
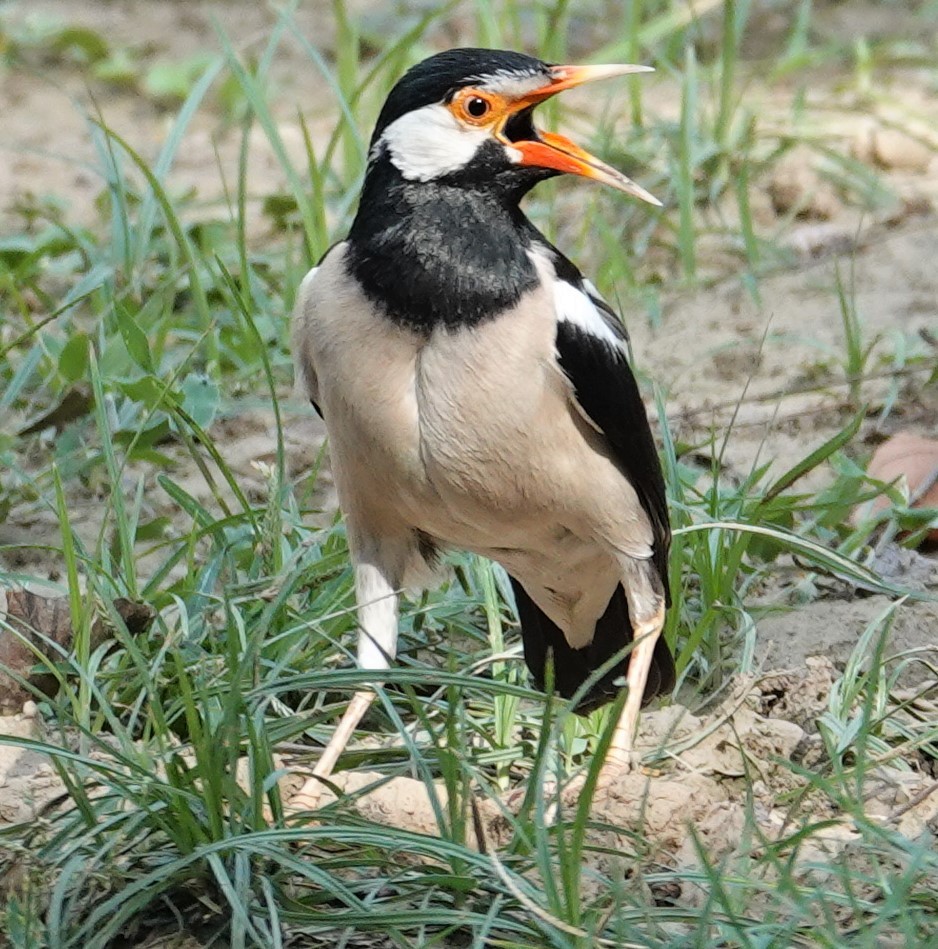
point(31, 621)
point(75, 403)
point(913, 459)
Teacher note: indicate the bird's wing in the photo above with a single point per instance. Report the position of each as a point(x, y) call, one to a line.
point(592, 349)
point(305, 370)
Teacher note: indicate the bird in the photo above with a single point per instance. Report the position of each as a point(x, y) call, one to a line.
point(477, 393)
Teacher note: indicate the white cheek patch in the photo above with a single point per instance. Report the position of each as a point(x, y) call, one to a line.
point(429, 143)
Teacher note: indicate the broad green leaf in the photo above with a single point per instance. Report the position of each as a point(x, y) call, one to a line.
point(134, 338)
point(73, 360)
point(200, 397)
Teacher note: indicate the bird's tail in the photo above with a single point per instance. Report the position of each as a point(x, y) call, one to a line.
point(572, 667)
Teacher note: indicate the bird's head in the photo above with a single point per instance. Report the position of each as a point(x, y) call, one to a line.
point(465, 117)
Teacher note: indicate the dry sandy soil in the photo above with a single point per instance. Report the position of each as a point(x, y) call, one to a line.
point(770, 366)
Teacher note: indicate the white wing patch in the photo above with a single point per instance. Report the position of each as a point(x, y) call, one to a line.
point(429, 143)
point(575, 306)
point(590, 288)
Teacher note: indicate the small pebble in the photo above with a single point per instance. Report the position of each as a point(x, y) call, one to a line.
point(893, 148)
point(30, 709)
point(814, 241)
point(795, 186)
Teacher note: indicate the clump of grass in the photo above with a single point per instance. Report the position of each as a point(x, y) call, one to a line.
point(163, 826)
point(171, 744)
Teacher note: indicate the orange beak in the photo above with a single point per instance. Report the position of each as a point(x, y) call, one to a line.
point(556, 152)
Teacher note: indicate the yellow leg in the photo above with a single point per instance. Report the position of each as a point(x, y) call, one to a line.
point(622, 751)
point(307, 798)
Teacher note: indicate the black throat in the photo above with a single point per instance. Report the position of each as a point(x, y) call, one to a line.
point(448, 253)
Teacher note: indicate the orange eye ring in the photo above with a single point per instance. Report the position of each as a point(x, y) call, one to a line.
point(476, 108)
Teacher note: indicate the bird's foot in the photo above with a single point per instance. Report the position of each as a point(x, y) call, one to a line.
point(618, 762)
point(619, 765)
point(306, 799)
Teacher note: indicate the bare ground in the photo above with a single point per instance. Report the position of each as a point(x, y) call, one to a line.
point(769, 369)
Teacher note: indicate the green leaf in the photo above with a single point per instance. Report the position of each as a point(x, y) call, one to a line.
point(16, 248)
point(89, 44)
point(148, 456)
point(765, 547)
point(139, 442)
point(281, 208)
point(134, 339)
point(149, 391)
point(172, 82)
point(73, 360)
point(119, 69)
point(815, 458)
point(156, 529)
point(200, 397)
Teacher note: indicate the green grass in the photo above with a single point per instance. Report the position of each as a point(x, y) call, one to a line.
point(144, 332)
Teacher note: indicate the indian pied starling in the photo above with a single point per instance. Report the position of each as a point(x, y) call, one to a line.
point(477, 392)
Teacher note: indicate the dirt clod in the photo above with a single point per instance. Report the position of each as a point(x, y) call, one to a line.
point(796, 188)
point(798, 696)
point(893, 149)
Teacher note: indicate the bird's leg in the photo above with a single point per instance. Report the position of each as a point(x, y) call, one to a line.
point(621, 749)
point(307, 798)
point(377, 644)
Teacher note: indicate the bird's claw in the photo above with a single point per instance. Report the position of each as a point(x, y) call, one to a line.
point(305, 800)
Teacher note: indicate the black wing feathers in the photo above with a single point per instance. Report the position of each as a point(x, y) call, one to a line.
point(606, 390)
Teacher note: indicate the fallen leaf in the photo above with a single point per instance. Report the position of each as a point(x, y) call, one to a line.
point(31, 621)
point(913, 458)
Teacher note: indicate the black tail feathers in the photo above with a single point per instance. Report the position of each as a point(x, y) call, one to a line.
point(572, 667)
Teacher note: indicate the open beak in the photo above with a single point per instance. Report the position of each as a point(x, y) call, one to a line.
point(548, 150)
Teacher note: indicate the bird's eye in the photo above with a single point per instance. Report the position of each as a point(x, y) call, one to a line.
point(477, 107)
